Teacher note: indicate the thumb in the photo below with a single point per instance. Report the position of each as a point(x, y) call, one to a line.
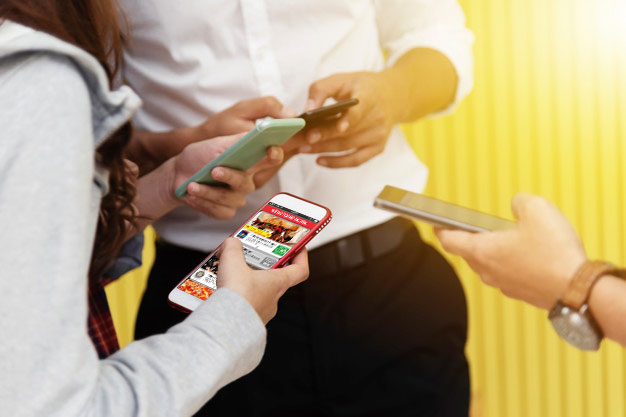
point(335, 86)
point(457, 242)
point(298, 271)
point(231, 257)
point(527, 207)
point(257, 108)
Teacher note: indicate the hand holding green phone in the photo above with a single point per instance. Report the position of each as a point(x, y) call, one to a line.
point(247, 151)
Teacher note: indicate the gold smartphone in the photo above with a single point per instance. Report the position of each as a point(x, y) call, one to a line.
point(437, 212)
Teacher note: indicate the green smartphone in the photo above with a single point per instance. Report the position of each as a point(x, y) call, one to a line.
point(247, 151)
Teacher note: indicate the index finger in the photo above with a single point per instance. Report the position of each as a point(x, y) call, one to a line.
point(334, 86)
point(457, 242)
point(348, 123)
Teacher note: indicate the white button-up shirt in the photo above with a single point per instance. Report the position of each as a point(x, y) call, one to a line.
point(191, 59)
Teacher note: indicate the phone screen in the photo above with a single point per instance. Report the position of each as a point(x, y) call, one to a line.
point(266, 238)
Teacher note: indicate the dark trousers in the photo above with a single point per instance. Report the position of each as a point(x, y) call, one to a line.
point(379, 329)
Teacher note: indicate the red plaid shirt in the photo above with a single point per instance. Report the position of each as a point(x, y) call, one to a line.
point(99, 322)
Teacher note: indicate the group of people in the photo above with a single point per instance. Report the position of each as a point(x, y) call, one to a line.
point(380, 326)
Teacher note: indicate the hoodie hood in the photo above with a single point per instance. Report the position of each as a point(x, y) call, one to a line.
point(110, 109)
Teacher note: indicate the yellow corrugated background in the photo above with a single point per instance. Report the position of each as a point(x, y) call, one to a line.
point(547, 116)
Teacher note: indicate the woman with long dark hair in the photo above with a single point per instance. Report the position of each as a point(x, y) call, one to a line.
point(68, 201)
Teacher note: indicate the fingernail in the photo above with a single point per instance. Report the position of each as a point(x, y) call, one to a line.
point(314, 137)
point(343, 126)
point(193, 188)
point(274, 153)
point(217, 173)
point(322, 162)
point(305, 149)
point(310, 104)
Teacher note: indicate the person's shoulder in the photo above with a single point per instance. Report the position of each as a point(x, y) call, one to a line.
point(29, 55)
point(71, 69)
point(44, 104)
point(40, 68)
point(42, 80)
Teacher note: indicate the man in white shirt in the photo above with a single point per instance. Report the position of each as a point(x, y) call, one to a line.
point(380, 327)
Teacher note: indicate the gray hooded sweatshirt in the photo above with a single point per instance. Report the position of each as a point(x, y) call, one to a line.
point(55, 109)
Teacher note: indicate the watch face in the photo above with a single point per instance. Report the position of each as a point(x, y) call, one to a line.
point(577, 328)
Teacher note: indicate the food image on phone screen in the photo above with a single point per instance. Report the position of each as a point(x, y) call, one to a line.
point(267, 238)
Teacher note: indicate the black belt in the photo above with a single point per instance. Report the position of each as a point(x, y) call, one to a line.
point(353, 250)
point(346, 253)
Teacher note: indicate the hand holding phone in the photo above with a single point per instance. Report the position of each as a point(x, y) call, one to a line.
point(247, 151)
point(362, 132)
point(533, 262)
point(156, 189)
point(270, 238)
point(437, 212)
point(261, 289)
point(217, 202)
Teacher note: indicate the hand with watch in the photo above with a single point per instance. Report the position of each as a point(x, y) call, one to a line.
point(571, 316)
point(542, 261)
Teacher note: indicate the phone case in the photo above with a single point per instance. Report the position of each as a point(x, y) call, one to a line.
point(321, 225)
point(247, 151)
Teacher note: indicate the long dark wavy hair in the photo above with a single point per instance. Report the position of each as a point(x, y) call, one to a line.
point(93, 26)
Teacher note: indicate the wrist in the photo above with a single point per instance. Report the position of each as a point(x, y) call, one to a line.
point(149, 150)
point(394, 95)
point(140, 151)
point(169, 182)
point(571, 316)
point(422, 81)
point(564, 275)
point(607, 306)
point(160, 183)
point(208, 129)
point(154, 195)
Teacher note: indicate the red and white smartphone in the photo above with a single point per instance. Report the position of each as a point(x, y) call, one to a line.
point(270, 239)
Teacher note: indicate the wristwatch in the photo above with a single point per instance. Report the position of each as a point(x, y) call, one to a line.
point(571, 317)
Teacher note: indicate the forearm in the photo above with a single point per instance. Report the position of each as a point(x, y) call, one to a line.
point(155, 195)
point(175, 373)
point(608, 305)
point(421, 82)
point(151, 149)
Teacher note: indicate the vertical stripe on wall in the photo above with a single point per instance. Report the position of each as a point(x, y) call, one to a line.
point(547, 116)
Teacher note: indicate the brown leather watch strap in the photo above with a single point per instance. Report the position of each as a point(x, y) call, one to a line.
point(580, 286)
